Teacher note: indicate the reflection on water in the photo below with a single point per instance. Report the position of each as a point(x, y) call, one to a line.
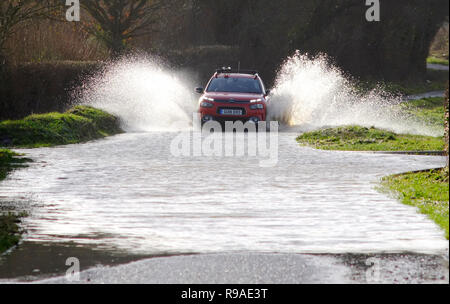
point(31, 260)
point(128, 193)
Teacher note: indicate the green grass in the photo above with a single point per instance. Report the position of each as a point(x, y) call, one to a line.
point(10, 231)
point(429, 110)
point(6, 161)
point(79, 124)
point(356, 138)
point(9, 160)
point(435, 60)
point(434, 81)
point(428, 191)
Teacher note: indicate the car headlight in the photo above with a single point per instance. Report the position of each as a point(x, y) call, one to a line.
point(257, 106)
point(206, 105)
point(256, 100)
point(204, 102)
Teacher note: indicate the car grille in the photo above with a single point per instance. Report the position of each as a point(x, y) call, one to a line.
point(231, 101)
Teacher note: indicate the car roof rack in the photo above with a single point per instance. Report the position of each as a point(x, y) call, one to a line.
point(229, 70)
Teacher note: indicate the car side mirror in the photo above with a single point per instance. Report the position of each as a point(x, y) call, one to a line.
point(199, 90)
point(267, 92)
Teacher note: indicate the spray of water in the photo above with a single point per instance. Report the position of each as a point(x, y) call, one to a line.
point(314, 93)
point(143, 92)
point(310, 93)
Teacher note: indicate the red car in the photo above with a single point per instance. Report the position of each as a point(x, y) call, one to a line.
point(233, 95)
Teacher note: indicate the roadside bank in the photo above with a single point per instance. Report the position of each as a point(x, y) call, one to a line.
point(427, 190)
point(80, 124)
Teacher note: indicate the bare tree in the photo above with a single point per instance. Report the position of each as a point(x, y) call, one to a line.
point(15, 12)
point(118, 21)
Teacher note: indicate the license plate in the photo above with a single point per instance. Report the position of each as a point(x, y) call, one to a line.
point(230, 112)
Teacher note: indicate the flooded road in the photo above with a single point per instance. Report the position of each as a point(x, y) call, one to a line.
point(128, 193)
point(128, 197)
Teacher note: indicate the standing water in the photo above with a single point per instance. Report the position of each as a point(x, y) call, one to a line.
point(129, 193)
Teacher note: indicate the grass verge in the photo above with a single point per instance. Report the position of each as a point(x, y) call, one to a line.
point(8, 161)
point(429, 110)
point(435, 60)
point(428, 191)
point(356, 138)
point(435, 80)
point(80, 124)
point(10, 230)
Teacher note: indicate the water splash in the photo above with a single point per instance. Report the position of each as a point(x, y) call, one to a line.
point(143, 92)
point(309, 93)
point(316, 94)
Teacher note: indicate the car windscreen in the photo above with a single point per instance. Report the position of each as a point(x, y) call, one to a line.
point(235, 85)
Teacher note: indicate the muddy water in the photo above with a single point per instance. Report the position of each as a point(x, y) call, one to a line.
point(128, 193)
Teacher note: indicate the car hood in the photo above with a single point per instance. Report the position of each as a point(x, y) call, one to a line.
point(233, 96)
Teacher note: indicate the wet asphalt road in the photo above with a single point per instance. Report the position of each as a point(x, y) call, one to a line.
point(259, 268)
